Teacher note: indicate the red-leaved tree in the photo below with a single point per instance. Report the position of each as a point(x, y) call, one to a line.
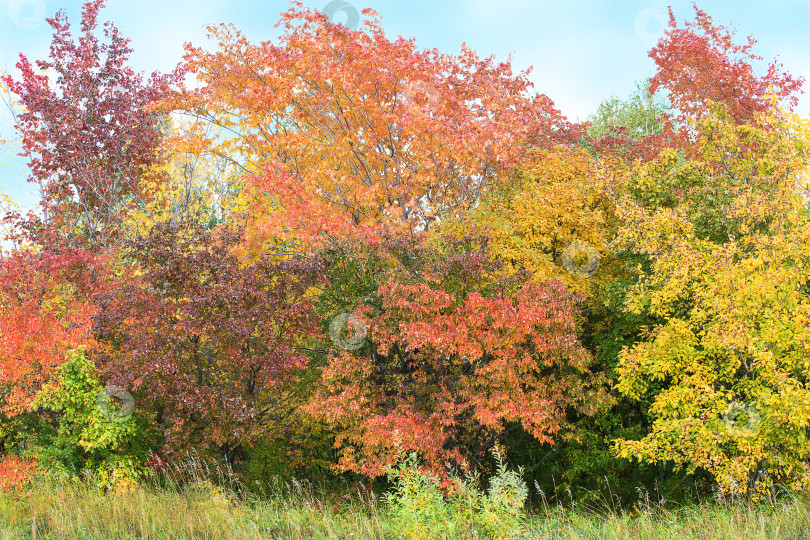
point(454, 356)
point(86, 130)
point(46, 306)
point(204, 342)
point(700, 63)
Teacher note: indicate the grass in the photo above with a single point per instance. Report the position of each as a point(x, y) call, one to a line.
point(78, 510)
point(192, 501)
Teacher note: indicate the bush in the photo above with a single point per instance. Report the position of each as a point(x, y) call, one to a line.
point(423, 505)
point(88, 429)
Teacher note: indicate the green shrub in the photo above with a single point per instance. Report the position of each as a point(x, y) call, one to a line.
point(88, 430)
point(422, 505)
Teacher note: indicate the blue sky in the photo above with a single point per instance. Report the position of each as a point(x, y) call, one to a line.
point(582, 51)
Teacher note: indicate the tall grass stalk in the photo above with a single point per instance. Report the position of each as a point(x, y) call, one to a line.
point(195, 500)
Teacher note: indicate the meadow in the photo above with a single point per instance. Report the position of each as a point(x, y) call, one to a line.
point(297, 511)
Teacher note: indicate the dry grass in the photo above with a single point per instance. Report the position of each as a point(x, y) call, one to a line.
point(193, 500)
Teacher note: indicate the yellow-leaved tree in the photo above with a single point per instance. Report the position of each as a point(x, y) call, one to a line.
point(728, 236)
point(185, 185)
point(554, 216)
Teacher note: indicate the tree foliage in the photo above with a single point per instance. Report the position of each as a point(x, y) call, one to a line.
point(728, 281)
point(88, 426)
point(348, 130)
point(204, 340)
point(45, 311)
point(86, 129)
point(553, 215)
point(636, 128)
point(700, 64)
point(337, 247)
point(456, 357)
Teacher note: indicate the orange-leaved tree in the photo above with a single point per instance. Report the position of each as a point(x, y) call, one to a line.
point(700, 63)
point(345, 130)
point(46, 309)
point(444, 354)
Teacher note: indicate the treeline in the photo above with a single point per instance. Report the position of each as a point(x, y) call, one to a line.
point(337, 248)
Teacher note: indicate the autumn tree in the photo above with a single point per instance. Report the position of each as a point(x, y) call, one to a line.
point(553, 216)
point(556, 217)
point(86, 130)
point(700, 63)
point(89, 139)
point(347, 130)
point(46, 305)
point(188, 183)
point(445, 354)
point(204, 342)
point(726, 234)
point(719, 231)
